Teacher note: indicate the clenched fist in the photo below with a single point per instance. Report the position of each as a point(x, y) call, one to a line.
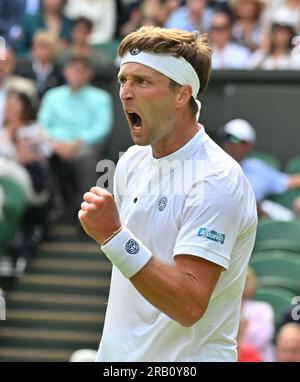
point(99, 215)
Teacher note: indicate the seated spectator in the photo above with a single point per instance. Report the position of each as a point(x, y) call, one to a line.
point(157, 12)
point(194, 16)
point(9, 81)
point(77, 118)
point(226, 54)
point(24, 152)
point(287, 9)
point(136, 14)
point(247, 27)
point(288, 343)
point(81, 30)
point(11, 18)
point(259, 326)
point(42, 68)
point(246, 352)
point(103, 15)
point(51, 18)
point(238, 138)
point(291, 314)
point(278, 55)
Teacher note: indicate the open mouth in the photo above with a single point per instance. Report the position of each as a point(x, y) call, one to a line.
point(135, 119)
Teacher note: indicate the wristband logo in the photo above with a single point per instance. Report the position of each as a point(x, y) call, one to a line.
point(132, 247)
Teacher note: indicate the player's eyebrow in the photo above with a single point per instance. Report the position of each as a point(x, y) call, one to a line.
point(135, 76)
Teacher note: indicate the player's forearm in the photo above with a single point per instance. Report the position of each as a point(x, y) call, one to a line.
point(174, 291)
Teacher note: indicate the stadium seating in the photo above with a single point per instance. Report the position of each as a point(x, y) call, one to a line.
point(293, 165)
point(14, 204)
point(287, 198)
point(277, 269)
point(278, 235)
point(280, 299)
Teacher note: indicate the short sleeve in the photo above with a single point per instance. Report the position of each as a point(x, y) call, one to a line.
point(211, 223)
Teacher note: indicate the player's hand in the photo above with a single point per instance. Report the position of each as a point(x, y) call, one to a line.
point(99, 215)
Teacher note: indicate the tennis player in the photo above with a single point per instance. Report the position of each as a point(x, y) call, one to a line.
point(181, 226)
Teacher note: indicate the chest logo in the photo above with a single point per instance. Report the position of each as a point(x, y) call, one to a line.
point(132, 247)
point(162, 203)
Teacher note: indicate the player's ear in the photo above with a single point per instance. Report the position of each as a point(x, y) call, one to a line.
point(184, 94)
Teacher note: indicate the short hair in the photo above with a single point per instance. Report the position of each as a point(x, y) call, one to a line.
point(192, 46)
point(79, 59)
point(84, 21)
point(46, 36)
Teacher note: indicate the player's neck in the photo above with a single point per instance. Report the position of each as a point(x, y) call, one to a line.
point(174, 141)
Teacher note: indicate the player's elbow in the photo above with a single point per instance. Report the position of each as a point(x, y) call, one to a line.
point(191, 314)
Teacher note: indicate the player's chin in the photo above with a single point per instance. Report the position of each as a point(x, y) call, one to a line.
point(140, 139)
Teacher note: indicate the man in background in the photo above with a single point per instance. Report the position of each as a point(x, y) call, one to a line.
point(77, 118)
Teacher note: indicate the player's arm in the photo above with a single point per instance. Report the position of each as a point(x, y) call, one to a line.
point(182, 291)
point(294, 181)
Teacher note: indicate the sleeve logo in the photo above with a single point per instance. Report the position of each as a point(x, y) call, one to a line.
point(211, 235)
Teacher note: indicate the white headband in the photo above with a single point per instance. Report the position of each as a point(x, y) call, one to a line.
point(176, 68)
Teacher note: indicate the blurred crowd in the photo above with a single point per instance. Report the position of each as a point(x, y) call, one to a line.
point(245, 34)
point(54, 124)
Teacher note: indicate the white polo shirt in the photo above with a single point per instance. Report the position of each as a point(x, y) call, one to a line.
point(201, 205)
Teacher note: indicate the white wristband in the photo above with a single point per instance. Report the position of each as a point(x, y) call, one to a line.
point(126, 252)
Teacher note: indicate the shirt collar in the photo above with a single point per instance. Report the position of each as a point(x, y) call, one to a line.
point(184, 152)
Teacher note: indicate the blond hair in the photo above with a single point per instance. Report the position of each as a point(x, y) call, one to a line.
point(189, 45)
point(46, 37)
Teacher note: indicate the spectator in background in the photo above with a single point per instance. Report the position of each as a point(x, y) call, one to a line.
point(9, 81)
point(287, 9)
point(237, 138)
point(158, 11)
point(130, 19)
point(135, 14)
point(291, 314)
point(77, 118)
point(81, 30)
point(103, 15)
point(278, 55)
point(24, 141)
point(51, 18)
point(24, 152)
point(11, 17)
point(246, 352)
point(42, 68)
point(194, 16)
point(288, 343)
point(247, 26)
point(226, 54)
point(259, 326)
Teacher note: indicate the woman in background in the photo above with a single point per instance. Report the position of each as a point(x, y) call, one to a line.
point(24, 152)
